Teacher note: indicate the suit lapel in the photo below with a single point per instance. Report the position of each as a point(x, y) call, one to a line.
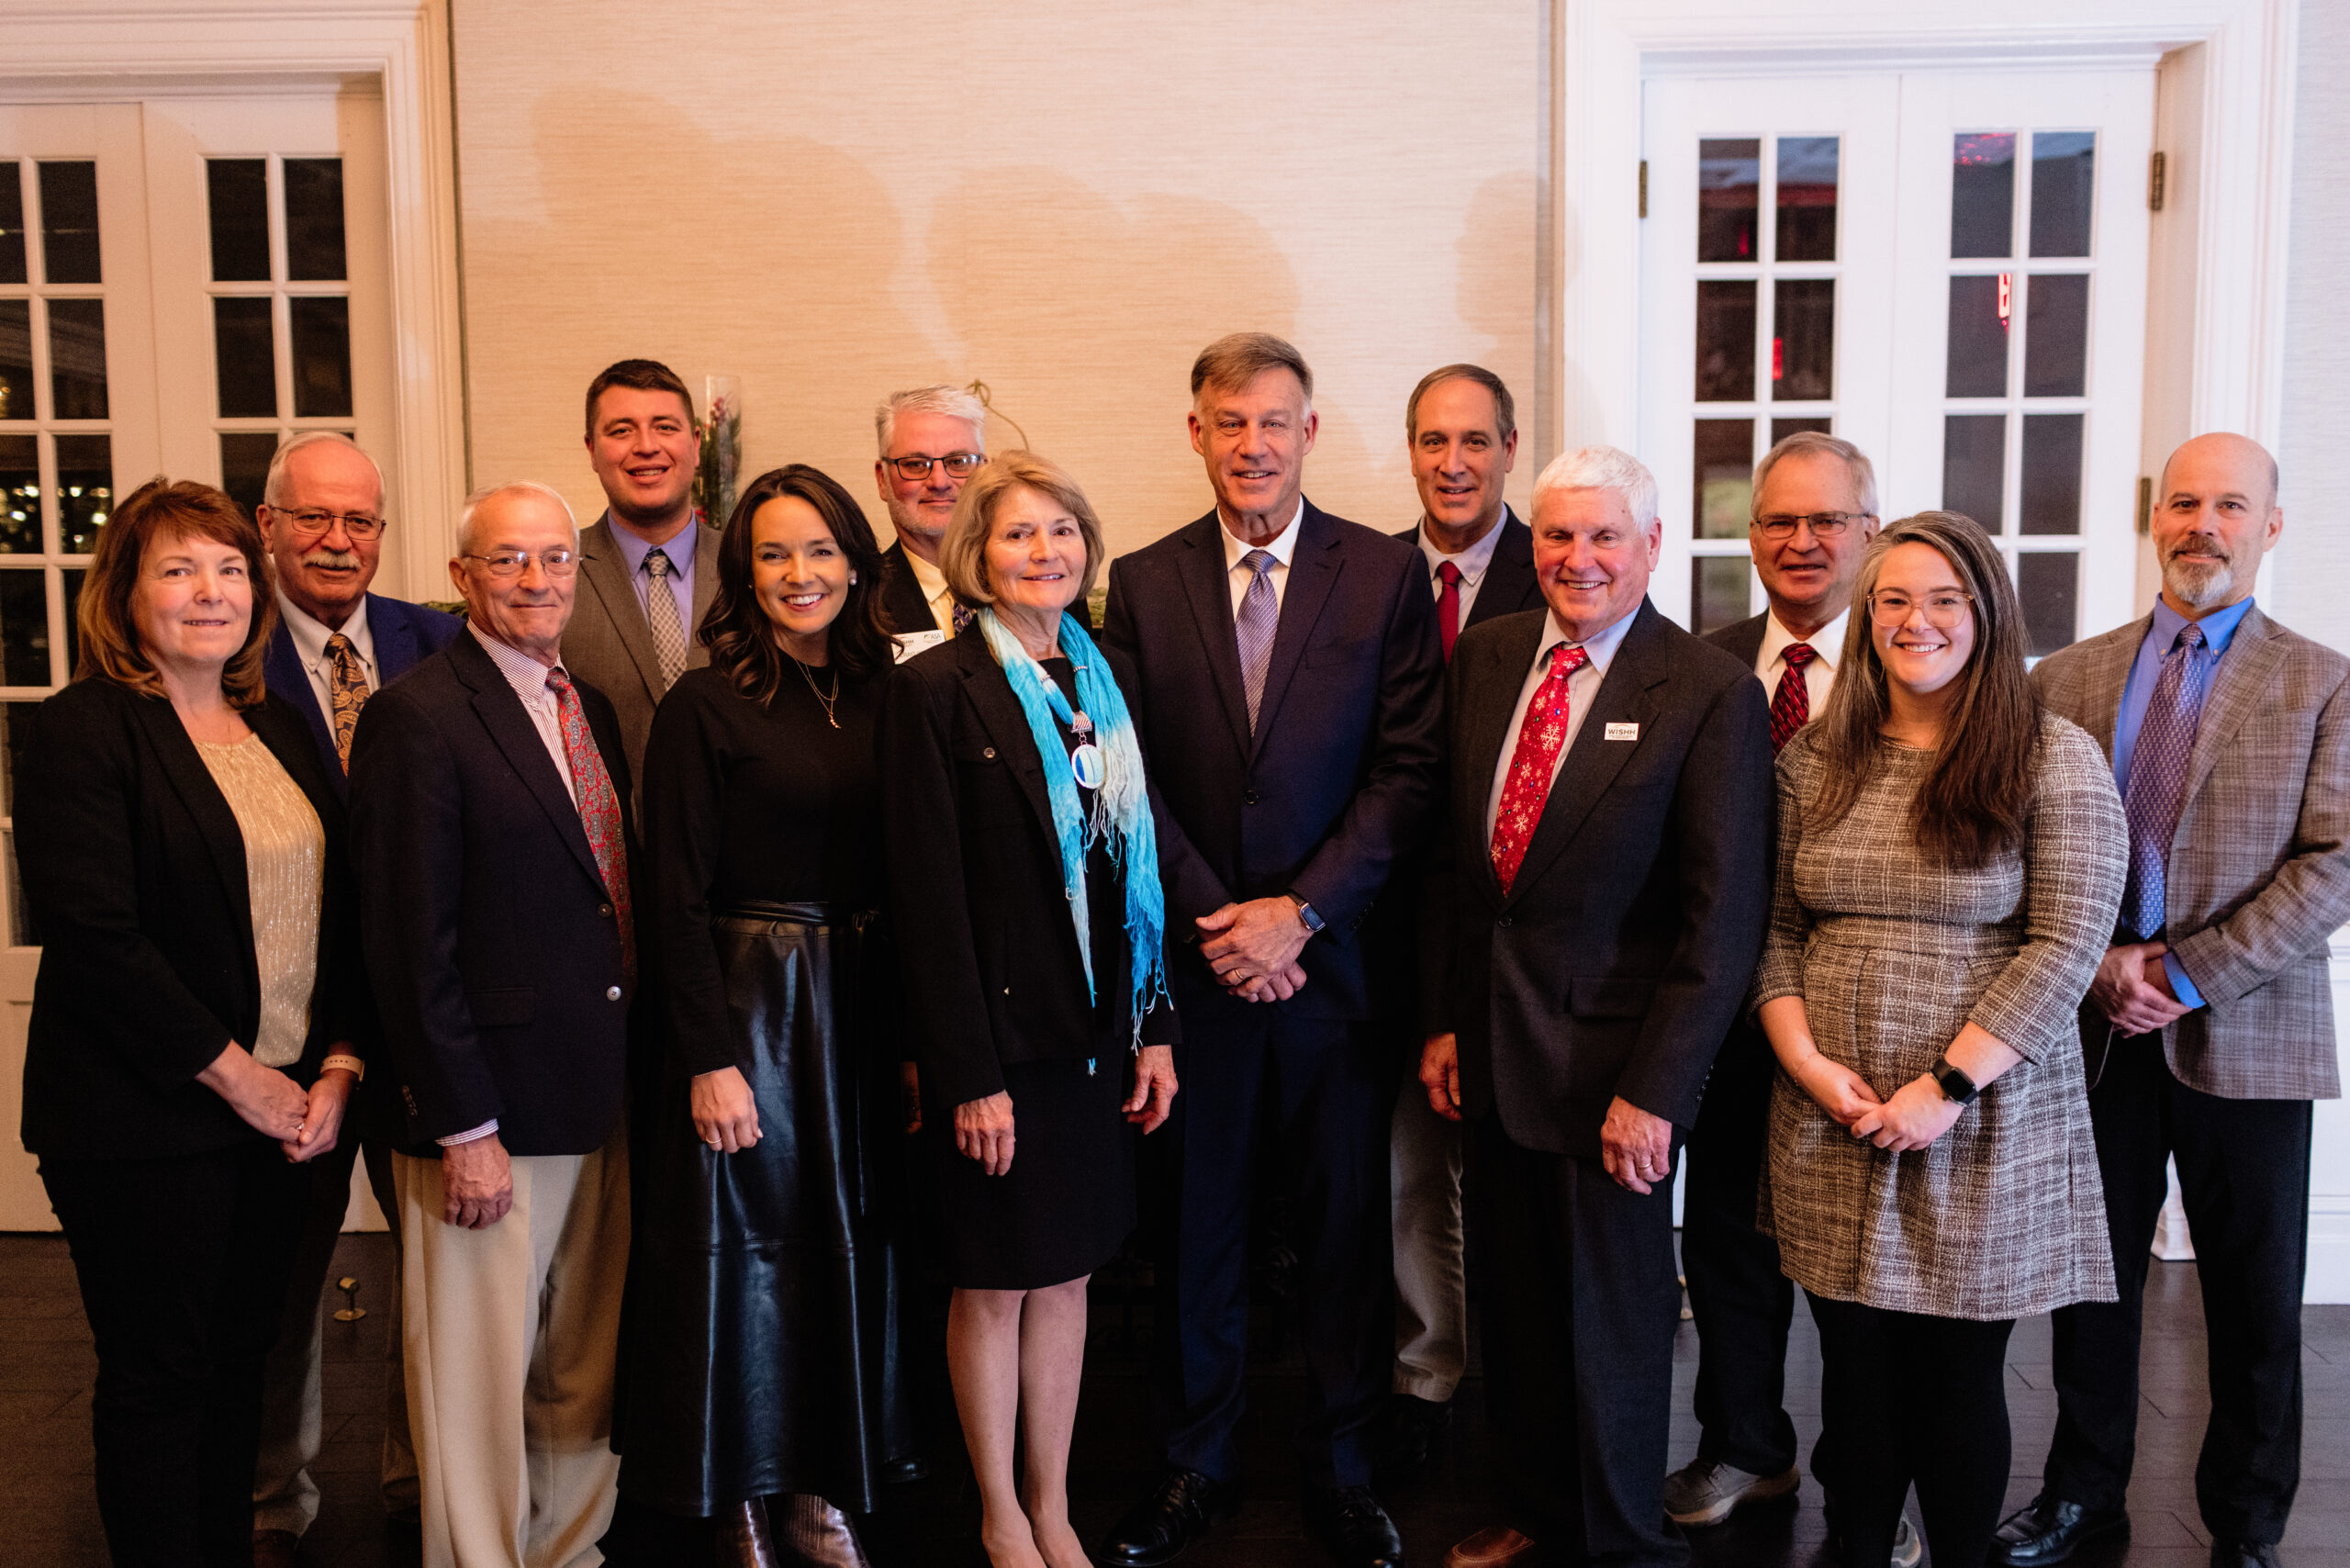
point(513, 732)
point(1007, 724)
point(1205, 584)
point(194, 783)
point(1489, 695)
point(2243, 674)
point(603, 572)
point(2107, 676)
point(706, 540)
point(283, 673)
point(1509, 576)
point(1314, 569)
point(1592, 761)
point(395, 634)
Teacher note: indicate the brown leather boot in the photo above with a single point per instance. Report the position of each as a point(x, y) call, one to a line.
point(819, 1535)
point(743, 1541)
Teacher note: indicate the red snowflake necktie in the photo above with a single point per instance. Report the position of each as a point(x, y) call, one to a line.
point(1539, 740)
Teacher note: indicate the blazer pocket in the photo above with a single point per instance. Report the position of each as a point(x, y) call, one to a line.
point(506, 1009)
point(1593, 996)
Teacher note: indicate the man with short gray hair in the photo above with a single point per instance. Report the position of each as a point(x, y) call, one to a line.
point(932, 438)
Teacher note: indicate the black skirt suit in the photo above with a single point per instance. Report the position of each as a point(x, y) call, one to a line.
point(994, 983)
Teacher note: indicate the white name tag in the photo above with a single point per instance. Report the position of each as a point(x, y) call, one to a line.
point(912, 643)
point(1623, 731)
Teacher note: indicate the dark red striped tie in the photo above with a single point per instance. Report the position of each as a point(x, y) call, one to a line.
point(1791, 707)
point(1448, 606)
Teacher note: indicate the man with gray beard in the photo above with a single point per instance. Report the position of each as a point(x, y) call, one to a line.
point(2209, 1027)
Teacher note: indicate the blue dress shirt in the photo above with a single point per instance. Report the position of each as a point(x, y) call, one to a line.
point(680, 551)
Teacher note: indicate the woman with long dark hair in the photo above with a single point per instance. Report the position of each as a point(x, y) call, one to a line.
point(1950, 862)
point(757, 1366)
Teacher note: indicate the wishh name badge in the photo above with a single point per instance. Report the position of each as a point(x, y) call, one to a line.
point(1623, 731)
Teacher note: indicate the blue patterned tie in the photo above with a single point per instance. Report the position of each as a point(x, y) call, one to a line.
point(2158, 777)
point(1260, 612)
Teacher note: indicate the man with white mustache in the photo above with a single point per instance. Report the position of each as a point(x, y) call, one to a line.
point(2209, 1026)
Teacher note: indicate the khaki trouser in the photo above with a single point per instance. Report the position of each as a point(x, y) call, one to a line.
point(1431, 1291)
point(511, 1334)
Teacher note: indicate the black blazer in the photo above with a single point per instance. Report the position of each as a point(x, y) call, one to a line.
point(1336, 786)
point(494, 946)
point(1509, 586)
point(903, 607)
point(1628, 939)
point(134, 871)
point(1742, 640)
point(992, 971)
point(402, 632)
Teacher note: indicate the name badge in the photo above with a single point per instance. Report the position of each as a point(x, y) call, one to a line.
point(1623, 731)
point(912, 643)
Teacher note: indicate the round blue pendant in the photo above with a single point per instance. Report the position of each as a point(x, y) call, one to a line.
point(1087, 764)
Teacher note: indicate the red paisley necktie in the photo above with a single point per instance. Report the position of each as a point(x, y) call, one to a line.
point(1539, 739)
point(1791, 705)
point(600, 809)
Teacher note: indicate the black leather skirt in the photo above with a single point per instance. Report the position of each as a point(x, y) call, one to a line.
point(759, 1350)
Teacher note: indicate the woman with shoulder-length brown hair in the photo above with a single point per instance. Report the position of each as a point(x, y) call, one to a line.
point(191, 1047)
point(1950, 863)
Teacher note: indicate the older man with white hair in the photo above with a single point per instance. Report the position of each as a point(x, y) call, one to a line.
point(1594, 913)
point(933, 438)
point(490, 815)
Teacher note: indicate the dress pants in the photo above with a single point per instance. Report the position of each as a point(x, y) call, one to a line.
point(512, 1338)
point(1303, 1103)
point(1740, 1301)
point(1578, 1306)
point(1431, 1289)
point(292, 1403)
point(183, 1264)
point(2243, 1174)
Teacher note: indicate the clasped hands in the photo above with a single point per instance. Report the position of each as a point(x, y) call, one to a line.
point(1917, 1114)
point(2132, 988)
point(983, 1127)
point(305, 1123)
point(1253, 947)
point(1635, 1146)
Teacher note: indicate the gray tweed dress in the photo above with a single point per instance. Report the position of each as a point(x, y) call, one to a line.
point(1891, 952)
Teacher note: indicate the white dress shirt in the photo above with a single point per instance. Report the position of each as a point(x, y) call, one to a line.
point(1470, 563)
point(935, 592)
point(1599, 652)
point(1818, 676)
point(1281, 546)
point(528, 676)
point(310, 634)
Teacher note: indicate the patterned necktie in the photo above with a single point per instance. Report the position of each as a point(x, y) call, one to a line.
point(661, 613)
point(1260, 612)
point(600, 809)
point(1791, 705)
point(1539, 738)
point(2158, 777)
point(347, 687)
point(959, 618)
point(1448, 606)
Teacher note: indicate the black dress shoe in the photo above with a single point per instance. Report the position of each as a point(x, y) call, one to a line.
point(2050, 1530)
point(2244, 1554)
point(1357, 1530)
point(1183, 1509)
point(1413, 1424)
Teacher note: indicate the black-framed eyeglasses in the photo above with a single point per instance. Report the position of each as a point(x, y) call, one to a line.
point(958, 464)
point(316, 524)
point(1945, 608)
point(1824, 525)
point(559, 561)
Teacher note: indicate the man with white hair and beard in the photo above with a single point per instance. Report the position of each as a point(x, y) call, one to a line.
point(2209, 1027)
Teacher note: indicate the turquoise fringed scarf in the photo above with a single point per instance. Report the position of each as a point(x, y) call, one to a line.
point(1121, 817)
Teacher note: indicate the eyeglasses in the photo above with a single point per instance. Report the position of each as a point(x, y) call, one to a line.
point(318, 524)
point(506, 564)
point(1944, 608)
point(1824, 525)
point(958, 464)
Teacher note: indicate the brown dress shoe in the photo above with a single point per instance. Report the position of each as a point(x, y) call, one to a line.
point(274, 1547)
point(744, 1540)
point(1496, 1546)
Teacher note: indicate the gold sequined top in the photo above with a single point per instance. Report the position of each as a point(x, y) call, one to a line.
point(286, 852)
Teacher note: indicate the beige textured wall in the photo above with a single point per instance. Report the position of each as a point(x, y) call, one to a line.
point(2313, 558)
point(1064, 200)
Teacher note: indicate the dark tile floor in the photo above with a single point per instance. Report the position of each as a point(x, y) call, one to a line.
point(46, 1516)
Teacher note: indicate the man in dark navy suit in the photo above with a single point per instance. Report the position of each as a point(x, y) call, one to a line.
point(1289, 678)
point(323, 517)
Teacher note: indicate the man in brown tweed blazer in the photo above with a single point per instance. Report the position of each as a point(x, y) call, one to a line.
point(2209, 1027)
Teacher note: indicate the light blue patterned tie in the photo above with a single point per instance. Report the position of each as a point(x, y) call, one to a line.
point(1260, 612)
point(2158, 777)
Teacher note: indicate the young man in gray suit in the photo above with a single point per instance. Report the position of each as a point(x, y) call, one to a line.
point(2209, 1028)
point(649, 565)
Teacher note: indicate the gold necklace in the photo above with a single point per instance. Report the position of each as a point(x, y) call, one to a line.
point(827, 702)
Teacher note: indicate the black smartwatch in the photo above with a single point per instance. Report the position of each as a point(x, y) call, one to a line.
point(1956, 1087)
point(1313, 922)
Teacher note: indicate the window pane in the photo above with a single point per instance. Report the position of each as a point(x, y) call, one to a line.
point(12, 221)
point(238, 192)
point(2063, 180)
point(1978, 340)
point(84, 490)
point(1803, 354)
point(1725, 478)
point(19, 494)
point(321, 357)
point(24, 628)
point(1806, 198)
point(1730, 199)
point(1725, 343)
point(244, 464)
point(69, 222)
point(2049, 584)
point(245, 358)
point(1975, 461)
point(1983, 194)
point(314, 219)
point(77, 358)
point(2050, 498)
point(73, 576)
point(2056, 335)
point(1782, 429)
point(1718, 592)
point(16, 359)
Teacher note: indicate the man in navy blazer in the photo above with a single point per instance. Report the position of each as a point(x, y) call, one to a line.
point(323, 517)
point(1289, 686)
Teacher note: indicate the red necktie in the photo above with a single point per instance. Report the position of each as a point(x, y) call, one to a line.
point(1539, 738)
point(1791, 705)
point(1448, 606)
point(600, 809)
